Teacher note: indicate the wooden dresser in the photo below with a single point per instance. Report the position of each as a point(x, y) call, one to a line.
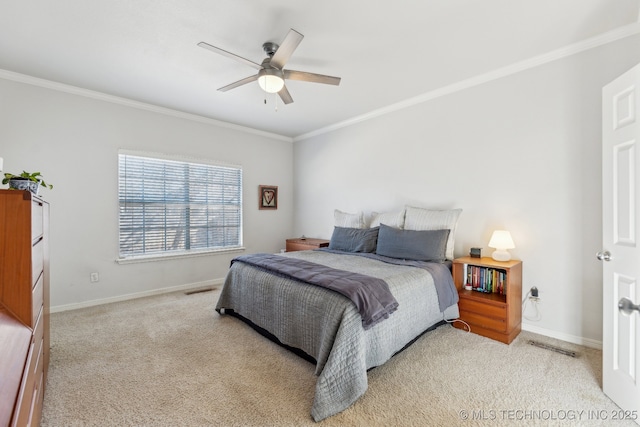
point(24, 306)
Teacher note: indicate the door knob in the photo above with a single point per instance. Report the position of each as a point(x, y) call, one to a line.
point(604, 256)
point(627, 306)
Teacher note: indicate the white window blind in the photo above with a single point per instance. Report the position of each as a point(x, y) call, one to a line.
point(171, 207)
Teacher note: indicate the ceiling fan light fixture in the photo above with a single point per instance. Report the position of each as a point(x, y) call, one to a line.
point(270, 80)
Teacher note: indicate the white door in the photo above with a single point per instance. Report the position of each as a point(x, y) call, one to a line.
point(620, 254)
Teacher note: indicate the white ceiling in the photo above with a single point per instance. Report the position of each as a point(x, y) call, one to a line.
point(386, 52)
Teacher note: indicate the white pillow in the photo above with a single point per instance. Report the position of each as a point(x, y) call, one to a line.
point(431, 219)
point(392, 219)
point(348, 220)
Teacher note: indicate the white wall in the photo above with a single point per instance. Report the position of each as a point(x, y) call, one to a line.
point(74, 140)
point(522, 153)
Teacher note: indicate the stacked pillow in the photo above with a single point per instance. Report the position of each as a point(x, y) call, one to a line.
point(412, 234)
point(348, 220)
point(392, 219)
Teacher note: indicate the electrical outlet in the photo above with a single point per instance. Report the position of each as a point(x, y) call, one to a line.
point(534, 294)
point(94, 277)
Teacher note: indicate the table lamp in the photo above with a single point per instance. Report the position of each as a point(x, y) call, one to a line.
point(501, 241)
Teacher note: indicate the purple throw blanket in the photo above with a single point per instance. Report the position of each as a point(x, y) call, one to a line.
point(370, 295)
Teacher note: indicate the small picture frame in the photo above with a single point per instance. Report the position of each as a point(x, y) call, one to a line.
point(268, 197)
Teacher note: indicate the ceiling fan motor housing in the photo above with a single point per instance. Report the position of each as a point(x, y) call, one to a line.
point(270, 48)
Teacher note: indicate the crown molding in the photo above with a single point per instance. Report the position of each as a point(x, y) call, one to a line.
point(605, 38)
point(61, 87)
point(609, 37)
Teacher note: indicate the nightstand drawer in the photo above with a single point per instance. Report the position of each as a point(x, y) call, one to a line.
point(499, 325)
point(305, 244)
point(483, 309)
point(292, 247)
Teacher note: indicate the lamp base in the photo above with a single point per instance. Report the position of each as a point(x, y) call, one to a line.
point(501, 255)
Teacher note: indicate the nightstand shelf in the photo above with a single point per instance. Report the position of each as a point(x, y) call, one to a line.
point(494, 315)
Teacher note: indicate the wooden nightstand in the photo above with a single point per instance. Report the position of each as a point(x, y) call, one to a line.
point(305, 244)
point(496, 314)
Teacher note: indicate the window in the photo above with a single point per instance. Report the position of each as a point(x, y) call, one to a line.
point(175, 207)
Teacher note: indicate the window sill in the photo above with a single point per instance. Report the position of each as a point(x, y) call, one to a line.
point(163, 257)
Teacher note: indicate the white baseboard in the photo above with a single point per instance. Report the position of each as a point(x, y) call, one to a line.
point(587, 342)
point(92, 303)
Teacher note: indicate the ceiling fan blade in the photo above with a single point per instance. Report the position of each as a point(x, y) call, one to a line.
point(285, 95)
point(229, 55)
point(311, 77)
point(284, 52)
point(239, 83)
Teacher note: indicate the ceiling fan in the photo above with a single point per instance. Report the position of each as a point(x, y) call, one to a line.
point(271, 73)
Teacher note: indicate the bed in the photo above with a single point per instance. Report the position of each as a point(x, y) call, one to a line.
point(331, 328)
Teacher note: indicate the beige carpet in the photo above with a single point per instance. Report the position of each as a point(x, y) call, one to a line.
point(171, 360)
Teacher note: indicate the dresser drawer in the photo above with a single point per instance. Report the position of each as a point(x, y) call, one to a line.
point(38, 336)
point(37, 298)
point(29, 406)
point(37, 261)
point(37, 401)
point(31, 379)
point(36, 220)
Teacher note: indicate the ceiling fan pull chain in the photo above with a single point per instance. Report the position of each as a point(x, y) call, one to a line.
point(275, 101)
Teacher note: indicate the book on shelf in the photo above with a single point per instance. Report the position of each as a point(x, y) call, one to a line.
point(485, 279)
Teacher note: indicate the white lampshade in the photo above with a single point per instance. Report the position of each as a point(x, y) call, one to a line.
point(1, 163)
point(270, 80)
point(501, 240)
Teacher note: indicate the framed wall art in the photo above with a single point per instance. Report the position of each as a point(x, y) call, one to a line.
point(268, 197)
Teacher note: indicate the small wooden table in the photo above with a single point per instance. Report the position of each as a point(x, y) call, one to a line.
point(305, 244)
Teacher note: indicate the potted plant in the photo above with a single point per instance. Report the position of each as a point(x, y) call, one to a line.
point(25, 181)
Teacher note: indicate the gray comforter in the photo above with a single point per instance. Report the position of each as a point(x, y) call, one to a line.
point(327, 326)
point(370, 295)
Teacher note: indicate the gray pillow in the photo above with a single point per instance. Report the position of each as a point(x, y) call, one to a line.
point(423, 245)
point(354, 239)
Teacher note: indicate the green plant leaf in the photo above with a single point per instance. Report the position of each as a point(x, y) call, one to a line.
point(31, 176)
